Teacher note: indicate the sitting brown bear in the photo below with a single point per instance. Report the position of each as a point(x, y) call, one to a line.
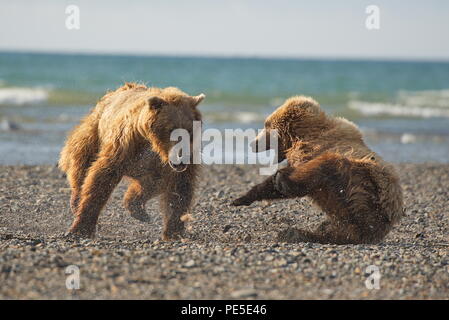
point(128, 134)
point(329, 162)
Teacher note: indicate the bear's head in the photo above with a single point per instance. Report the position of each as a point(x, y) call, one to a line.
point(166, 112)
point(298, 118)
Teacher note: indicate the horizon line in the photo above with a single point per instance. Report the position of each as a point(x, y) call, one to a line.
point(229, 56)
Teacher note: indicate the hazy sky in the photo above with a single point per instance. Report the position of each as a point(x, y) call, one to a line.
point(328, 28)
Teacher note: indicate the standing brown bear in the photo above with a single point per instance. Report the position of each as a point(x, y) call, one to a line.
point(329, 162)
point(128, 134)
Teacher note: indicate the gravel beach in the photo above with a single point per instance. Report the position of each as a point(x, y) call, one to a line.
point(228, 253)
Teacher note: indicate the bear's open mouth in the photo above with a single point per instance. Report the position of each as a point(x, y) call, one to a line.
point(178, 167)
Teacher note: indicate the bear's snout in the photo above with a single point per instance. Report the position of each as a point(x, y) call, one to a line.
point(178, 159)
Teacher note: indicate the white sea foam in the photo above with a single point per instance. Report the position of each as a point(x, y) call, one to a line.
point(407, 138)
point(371, 109)
point(421, 104)
point(22, 96)
point(426, 98)
point(248, 117)
point(240, 117)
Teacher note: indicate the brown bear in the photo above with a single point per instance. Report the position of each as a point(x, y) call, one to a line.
point(127, 134)
point(329, 162)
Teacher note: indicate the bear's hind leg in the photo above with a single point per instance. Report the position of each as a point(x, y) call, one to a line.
point(76, 175)
point(139, 192)
point(101, 179)
point(329, 232)
point(77, 156)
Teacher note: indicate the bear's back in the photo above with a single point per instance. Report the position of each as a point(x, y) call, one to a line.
point(121, 109)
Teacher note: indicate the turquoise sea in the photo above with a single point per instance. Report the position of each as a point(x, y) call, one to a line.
point(402, 107)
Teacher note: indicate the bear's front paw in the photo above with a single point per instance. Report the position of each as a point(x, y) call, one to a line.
point(73, 235)
point(172, 236)
point(242, 201)
point(80, 230)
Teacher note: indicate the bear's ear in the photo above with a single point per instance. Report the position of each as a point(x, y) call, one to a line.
point(156, 103)
point(197, 99)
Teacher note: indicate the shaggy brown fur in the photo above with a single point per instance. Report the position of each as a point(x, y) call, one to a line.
point(330, 163)
point(128, 134)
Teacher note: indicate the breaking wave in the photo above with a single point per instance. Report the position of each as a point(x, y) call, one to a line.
point(420, 104)
point(238, 117)
point(22, 96)
point(18, 96)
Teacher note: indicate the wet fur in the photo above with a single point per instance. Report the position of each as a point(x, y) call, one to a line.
point(330, 163)
point(124, 136)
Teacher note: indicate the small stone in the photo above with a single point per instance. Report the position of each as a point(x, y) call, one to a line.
point(190, 264)
point(244, 293)
point(280, 262)
point(219, 269)
point(420, 236)
point(328, 291)
point(219, 194)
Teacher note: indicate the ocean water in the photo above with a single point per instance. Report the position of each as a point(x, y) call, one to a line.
point(402, 107)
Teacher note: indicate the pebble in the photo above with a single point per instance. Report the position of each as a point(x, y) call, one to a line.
point(190, 264)
point(244, 293)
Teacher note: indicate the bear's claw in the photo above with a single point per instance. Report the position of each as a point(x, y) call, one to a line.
point(75, 236)
point(242, 201)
